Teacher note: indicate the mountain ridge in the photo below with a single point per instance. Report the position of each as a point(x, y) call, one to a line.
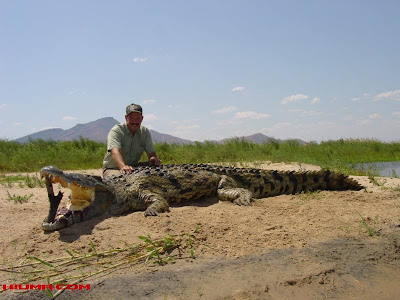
point(98, 130)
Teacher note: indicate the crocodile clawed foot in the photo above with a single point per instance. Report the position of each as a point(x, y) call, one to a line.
point(150, 212)
point(58, 224)
point(242, 201)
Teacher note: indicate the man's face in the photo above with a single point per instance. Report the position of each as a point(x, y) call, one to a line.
point(133, 120)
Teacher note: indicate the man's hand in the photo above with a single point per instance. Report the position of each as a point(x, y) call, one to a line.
point(154, 161)
point(126, 169)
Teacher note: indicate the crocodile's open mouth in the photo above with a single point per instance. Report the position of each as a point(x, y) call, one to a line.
point(82, 193)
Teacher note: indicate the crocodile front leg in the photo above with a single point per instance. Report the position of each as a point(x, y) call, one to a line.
point(155, 203)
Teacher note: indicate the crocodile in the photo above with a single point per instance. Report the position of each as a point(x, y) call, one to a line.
point(152, 188)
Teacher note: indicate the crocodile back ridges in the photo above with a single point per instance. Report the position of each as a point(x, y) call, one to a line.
point(262, 183)
point(265, 183)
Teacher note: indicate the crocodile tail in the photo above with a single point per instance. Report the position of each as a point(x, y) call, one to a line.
point(266, 183)
point(328, 180)
point(295, 182)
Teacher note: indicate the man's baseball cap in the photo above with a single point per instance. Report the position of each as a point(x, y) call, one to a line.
point(133, 108)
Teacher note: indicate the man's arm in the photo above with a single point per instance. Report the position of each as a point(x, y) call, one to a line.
point(119, 161)
point(153, 159)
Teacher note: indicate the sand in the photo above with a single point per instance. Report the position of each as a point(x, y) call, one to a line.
point(290, 246)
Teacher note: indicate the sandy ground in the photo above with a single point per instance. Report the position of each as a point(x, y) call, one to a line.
point(291, 246)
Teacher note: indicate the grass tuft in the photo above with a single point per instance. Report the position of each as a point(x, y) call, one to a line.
point(18, 199)
point(370, 226)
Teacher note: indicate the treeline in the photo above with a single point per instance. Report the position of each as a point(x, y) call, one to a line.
point(87, 154)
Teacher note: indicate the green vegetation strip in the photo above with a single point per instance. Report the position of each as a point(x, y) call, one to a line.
point(337, 155)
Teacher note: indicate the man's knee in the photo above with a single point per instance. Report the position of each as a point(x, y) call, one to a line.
point(110, 172)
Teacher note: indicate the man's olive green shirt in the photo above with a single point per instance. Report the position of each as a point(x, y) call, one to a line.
point(130, 145)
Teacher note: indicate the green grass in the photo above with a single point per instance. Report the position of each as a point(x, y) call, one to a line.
point(30, 181)
point(18, 199)
point(337, 155)
point(369, 226)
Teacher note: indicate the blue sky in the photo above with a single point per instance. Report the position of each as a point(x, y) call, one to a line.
point(313, 70)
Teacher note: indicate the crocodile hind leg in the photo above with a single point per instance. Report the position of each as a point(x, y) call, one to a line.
point(228, 191)
point(155, 203)
point(238, 196)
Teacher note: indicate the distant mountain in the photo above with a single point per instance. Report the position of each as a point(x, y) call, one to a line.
point(166, 138)
point(98, 131)
point(95, 131)
point(48, 134)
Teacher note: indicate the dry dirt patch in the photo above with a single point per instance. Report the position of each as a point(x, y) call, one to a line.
point(321, 245)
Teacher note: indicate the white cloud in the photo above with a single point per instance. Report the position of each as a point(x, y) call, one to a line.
point(304, 131)
point(396, 113)
point(306, 113)
point(369, 120)
point(15, 124)
point(238, 88)
point(68, 118)
point(375, 116)
point(48, 127)
point(140, 59)
point(182, 127)
point(146, 101)
point(363, 122)
point(191, 120)
point(294, 98)
point(282, 125)
point(174, 107)
point(150, 117)
point(250, 115)
point(366, 95)
point(224, 110)
point(315, 100)
point(2, 106)
point(77, 93)
point(392, 95)
point(355, 99)
point(295, 110)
